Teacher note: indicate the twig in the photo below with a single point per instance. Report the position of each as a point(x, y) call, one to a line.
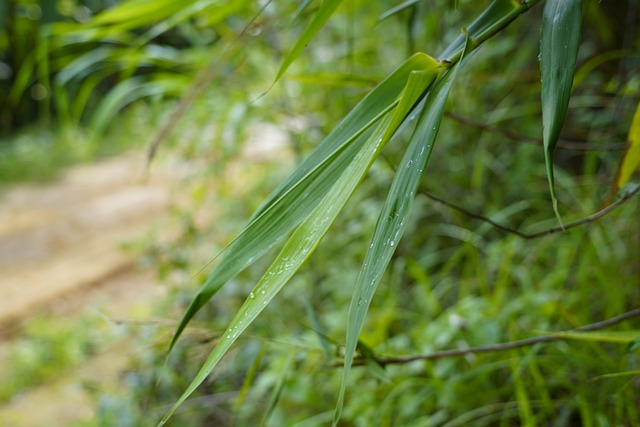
point(586, 220)
point(497, 347)
point(517, 136)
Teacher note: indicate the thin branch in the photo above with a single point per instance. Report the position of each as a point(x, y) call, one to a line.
point(558, 229)
point(517, 136)
point(498, 347)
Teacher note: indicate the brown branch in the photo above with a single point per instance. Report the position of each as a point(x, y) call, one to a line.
point(517, 136)
point(586, 220)
point(558, 229)
point(496, 347)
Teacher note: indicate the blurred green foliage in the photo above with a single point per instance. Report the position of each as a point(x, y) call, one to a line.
point(454, 282)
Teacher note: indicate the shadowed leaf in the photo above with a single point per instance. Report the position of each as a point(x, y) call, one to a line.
point(558, 52)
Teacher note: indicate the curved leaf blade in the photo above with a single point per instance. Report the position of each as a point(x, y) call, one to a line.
point(559, 45)
point(392, 221)
point(297, 249)
point(299, 194)
point(308, 235)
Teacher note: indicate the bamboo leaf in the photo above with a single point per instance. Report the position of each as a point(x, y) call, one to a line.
point(618, 375)
point(393, 218)
point(308, 235)
point(299, 194)
point(145, 11)
point(336, 79)
point(304, 4)
point(620, 337)
point(249, 379)
point(558, 52)
point(631, 158)
point(493, 15)
point(322, 16)
point(277, 389)
point(397, 9)
point(299, 247)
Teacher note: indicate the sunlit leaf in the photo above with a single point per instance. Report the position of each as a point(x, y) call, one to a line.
point(558, 52)
point(299, 247)
point(631, 158)
point(139, 12)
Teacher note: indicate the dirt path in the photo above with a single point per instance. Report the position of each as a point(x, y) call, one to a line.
point(60, 252)
point(58, 238)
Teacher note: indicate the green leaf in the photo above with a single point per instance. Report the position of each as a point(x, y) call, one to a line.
point(277, 389)
point(299, 194)
point(558, 52)
point(299, 247)
point(618, 375)
point(336, 79)
point(397, 9)
point(631, 158)
point(322, 16)
point(393, 218)
point(134, 89)
point(620, 337)
point(140, 12)
point(308, 235)
point(493, 15)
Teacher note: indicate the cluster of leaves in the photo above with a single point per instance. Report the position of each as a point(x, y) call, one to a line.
point(309, 201)
point(86, 62)
point(450, 281)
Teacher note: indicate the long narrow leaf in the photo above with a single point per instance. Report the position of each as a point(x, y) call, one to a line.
point(299, 247)
point(309, 234)
point(620, 337)
point(392, 221)
point(322, 16)
point(558, 52)
point(495, 13)
point(299, 194)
